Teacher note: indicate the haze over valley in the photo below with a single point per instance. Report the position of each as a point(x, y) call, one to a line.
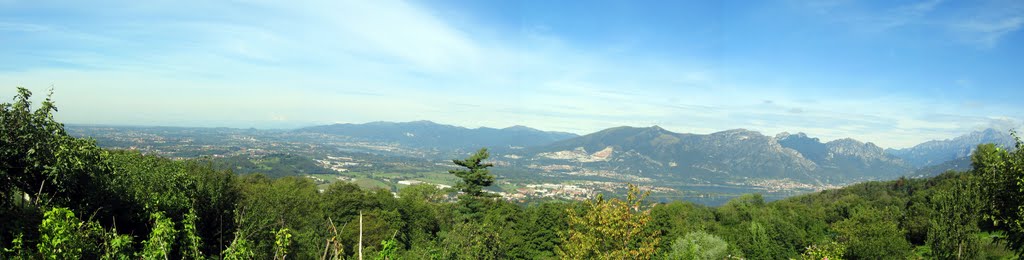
point(511, 129)
point(707, 169)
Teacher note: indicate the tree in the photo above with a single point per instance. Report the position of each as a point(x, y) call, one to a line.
point(540, 227)
point(677, 219)
point(472, 240)
point(917, 220)
point(955, 222)
point(378, 225)
point(1001, 176)
point(141, 185)
point(282, 240)
point(758, 242)
point(38, 158)
point(476, 176)
point(268, 206)
point(60, 236)
point(699, 245)
point(64, 236)
point(872, 233)
point(239, 249)
point(387, 250)
point(830, 250)
point(610, 229)
point(190, 237)
point(117, 246)
point(419, 213)
point(161, 240)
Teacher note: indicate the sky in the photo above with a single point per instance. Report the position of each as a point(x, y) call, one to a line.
point(895, 73)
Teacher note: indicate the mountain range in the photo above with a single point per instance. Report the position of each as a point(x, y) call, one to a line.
point(732, 154)
point(737, 154)
point(940, 151)
point(430, 135)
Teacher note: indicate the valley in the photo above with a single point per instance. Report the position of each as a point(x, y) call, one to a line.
point(708, 169)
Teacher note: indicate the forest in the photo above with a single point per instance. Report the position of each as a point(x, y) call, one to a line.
point(66, 198)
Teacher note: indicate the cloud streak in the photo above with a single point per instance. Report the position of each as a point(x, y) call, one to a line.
point(270, 64)
point(987, 33)
point(981, 25)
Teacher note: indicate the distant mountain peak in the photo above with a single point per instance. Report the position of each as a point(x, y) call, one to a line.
point(782, 135)
point(739, 131)
point(846, 141)
point(801, 135)
point(656, 130)
point(734, 153)
point(938, 151)
point(851, 141)
point(623, 129)
point(989, 131)
point(854, 142)
point(521, 128)
point(423, 122)
point(428, 135)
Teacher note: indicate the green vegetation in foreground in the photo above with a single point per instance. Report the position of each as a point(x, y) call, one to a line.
point(66, 198)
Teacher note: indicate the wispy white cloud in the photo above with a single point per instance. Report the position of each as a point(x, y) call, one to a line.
point(982, 24)
point(902, 15)
point(22, 27)
point(357, 61)
point(986, 33)
point(866, 18)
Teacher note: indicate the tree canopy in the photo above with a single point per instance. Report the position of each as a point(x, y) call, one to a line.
point(63, 197)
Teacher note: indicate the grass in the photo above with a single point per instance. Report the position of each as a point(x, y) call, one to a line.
point(990, 249)
point(438, 178)
point(371, 180)
point(510, 187)
point(371, 184)
point(360, 180)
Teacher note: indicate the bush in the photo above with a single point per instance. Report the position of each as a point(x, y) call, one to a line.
point(699, 245)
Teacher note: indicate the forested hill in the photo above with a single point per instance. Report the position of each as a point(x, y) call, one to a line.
point(65, 198)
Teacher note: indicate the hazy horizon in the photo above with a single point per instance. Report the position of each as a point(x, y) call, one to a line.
point(895, 74)
point(289, 128)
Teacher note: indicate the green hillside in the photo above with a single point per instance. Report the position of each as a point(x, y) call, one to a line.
point(66, 198)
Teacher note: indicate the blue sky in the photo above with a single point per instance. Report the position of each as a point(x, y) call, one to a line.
point(895, 73)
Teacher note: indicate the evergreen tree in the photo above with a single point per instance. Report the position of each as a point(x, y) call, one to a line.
point(476, 176)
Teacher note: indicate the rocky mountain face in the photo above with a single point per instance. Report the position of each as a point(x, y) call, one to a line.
point(732, 154)
point(430, 135)
point(940, 151)
point(810, 148)
point(851, 159)
point(653, 152)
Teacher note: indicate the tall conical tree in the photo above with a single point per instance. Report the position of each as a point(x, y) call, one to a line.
point(476, 176)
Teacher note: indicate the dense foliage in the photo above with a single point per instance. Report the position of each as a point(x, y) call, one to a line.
point(66, 198)
point(610, 229)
